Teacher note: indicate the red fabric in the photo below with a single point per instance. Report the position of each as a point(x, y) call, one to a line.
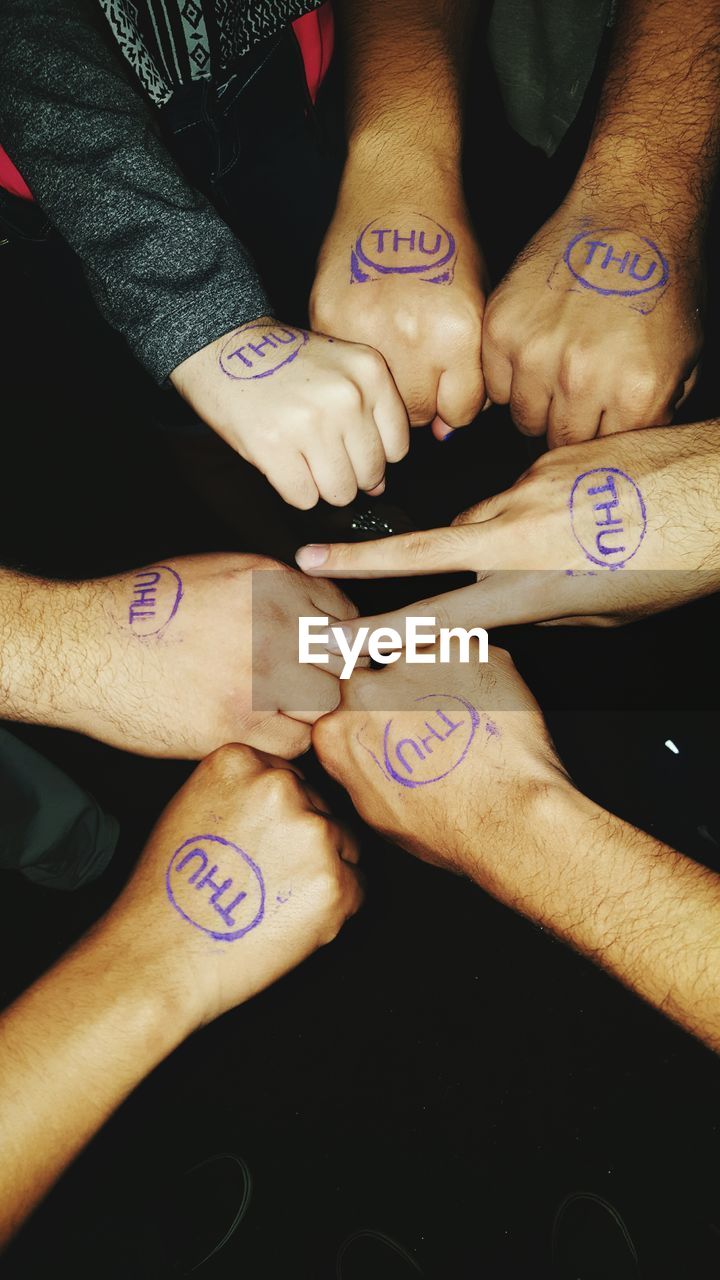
point(11, 180)
point(315, 34)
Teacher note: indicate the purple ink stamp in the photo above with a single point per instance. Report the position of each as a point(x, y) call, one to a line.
point(216, 887)
point(413, 245)
point(259, 350)
point(597, 264)
point(608, 516)
point(156, 596)
point(434, 751)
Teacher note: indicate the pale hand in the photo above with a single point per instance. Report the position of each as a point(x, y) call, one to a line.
point(318, 417)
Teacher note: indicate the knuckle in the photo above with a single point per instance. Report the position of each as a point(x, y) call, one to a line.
point(638, 392)
point(576, 372)
point(348, 396)
point(229, 760)
point(279, 787)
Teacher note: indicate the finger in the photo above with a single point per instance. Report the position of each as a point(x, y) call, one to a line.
point(440, 428)
point(461, 392)
point(329, 599)
point(687, 387)
point(367, 455)
point(483, 511)
point(333, 472)
point(347, 845)
point(501, 599)
point(354, 894)
point(392, 421)
point(432, 551)
point(460, 608)
point(274, 761)
point(497, 373)
point(614, 421)
point(572, 422)
point(529, 403)
point(316, 695)
point(293, 480)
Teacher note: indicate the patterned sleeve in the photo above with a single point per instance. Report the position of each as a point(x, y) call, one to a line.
point(163, 267)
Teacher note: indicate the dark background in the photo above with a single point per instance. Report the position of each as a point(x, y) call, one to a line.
point(444, 1072)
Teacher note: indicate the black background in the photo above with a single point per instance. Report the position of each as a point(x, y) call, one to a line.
point(444, 1072)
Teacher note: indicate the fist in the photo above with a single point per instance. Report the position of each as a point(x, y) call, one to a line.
point(318, 417)
point(179, 658)
point(244, 875)
point(594, 330)
point(413, 285)
point(449, 764)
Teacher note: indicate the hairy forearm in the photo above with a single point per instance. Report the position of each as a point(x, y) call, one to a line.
point(45, 665)
point(71, 1049)
point(657, 126)
point(637, 908)
point(405, 66)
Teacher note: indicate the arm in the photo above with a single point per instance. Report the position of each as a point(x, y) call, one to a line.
point(468, 779)
point(402, 181)
point(579, 338)
point(600, 533)
point(170, 956)
point(162, 266)
point(643, 912)
point(140, 660)
point(169, 275)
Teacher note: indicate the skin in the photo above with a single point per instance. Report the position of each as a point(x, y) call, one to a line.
point(401, 159)
point(143, 979)
point(224, 669)
point(509, 818)
point(322, 426)
point(568, 360)
point(529, 565)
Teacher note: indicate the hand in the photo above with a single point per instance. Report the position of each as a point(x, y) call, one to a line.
point(596, 328)
point(318, 417)
point(422, 301)
point(286, 879)
point(454, 777)
point(644, 506)
point(180, 658)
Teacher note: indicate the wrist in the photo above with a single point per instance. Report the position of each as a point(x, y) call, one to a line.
point(606, 190)
point(383, 163)
point(153, 989)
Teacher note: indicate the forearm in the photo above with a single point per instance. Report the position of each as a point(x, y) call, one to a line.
point(637, 908)
point(39, 627)
point(405, 68)
point(71, 1049)
point(656, 130)
point(163, 267)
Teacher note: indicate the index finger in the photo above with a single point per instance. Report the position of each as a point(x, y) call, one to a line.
point(444, 550)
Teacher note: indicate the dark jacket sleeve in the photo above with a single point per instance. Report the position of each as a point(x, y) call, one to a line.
point(163, 267)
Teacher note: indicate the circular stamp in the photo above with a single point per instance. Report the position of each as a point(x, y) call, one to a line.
point(215, 886)
point(259, 350)
point(155, 599)
point(437, 748)
point(617, 263)
point(411, 245)
point(608, 516)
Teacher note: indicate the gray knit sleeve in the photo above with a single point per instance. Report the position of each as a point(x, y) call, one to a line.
point(163, 267)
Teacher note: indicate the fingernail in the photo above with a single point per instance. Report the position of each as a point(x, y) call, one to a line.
point(447, 436)
point(312, 556)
